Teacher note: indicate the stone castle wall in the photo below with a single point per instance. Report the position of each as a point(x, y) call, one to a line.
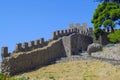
point(28, 56)
point(76, 43)
point(25, 61)
point(20, 47)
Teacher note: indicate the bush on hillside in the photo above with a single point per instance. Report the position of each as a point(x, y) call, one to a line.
point(114, 37)
point(7, 77)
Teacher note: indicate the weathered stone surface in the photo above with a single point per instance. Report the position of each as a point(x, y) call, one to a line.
point(30, 60)
point(75, 43)
point(94, 47)
point(26, 58)
point(18, 48)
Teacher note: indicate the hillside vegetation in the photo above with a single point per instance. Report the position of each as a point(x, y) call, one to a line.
point(76, 70)
point(114, 37)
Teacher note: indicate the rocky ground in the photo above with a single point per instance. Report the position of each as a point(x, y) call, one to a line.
point(110, 54)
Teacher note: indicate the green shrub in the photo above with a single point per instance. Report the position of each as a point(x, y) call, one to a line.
point(114, 37)
point(7, 77)
point(4, 77)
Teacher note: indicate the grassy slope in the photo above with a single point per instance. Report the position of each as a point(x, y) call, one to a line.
point(77, 70)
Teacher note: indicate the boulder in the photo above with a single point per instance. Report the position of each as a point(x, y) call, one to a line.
point(94, 47)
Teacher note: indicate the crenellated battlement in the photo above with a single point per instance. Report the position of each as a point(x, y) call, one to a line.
point(73, 29)
point(61, 33)
point(27, 46)
point(39, 43)
point(37, 53)
point(40, 52)
point(4, 52)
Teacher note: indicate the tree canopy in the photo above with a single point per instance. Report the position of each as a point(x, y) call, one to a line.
point(117, 1)
point(114, 37)
point(107, 15)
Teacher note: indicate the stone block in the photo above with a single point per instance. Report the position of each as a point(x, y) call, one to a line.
point(25, 46)
point(72, 30)
point(19, 47)
point(61, 33)
point(94, 47)
point(77, 25)
point(42, 41)
point(54, 36)
point(68, 32)
point(65, 32)
point(71, 26)
point(75, 30)
point(4, 52)
point(84, 26)
point(58, 33)
point(32, 44)
point(37, 43)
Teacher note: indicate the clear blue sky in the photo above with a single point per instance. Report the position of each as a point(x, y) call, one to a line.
point(26, 20)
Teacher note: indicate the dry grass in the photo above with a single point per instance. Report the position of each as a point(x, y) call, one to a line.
point(77, 70)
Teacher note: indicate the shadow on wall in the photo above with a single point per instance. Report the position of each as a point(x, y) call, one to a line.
point(39, 53)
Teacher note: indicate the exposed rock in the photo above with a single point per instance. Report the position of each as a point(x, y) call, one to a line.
point(94, 47)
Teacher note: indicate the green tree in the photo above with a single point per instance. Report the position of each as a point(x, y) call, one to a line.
point(107, 15)
point(117, 1)
point(114, 37)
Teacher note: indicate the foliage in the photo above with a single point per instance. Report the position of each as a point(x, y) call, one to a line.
point(117, 1)
point(3, 77)
point(114, 37)
point(107, 15)
point(7, 77)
